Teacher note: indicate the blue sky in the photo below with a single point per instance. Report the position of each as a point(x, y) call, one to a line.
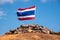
point(47, 14)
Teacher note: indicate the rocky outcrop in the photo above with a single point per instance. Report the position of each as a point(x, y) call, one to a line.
point(30, 28)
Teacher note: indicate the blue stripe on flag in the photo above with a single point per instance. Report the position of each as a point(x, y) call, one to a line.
point(32, 12)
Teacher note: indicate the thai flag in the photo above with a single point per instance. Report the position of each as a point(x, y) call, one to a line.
point(26, 13)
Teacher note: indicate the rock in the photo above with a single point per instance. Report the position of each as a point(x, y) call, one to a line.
point(29, 28)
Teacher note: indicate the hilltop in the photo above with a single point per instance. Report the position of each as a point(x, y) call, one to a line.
point(30, 28)
point(30, 32)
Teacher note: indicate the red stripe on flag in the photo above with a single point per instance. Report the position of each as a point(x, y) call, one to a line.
point(28, 18)
point(26, 8)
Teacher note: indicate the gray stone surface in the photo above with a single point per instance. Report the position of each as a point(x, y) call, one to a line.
point(29, 28)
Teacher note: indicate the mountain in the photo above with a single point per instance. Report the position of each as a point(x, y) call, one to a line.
point(30, 32)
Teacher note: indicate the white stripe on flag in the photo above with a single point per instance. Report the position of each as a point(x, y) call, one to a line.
point(26, 16)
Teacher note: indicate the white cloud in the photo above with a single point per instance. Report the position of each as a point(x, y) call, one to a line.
point(45, 1)
point(6, 1)
point(2, 14)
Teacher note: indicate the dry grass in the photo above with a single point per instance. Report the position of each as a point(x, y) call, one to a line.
point(30, 36)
